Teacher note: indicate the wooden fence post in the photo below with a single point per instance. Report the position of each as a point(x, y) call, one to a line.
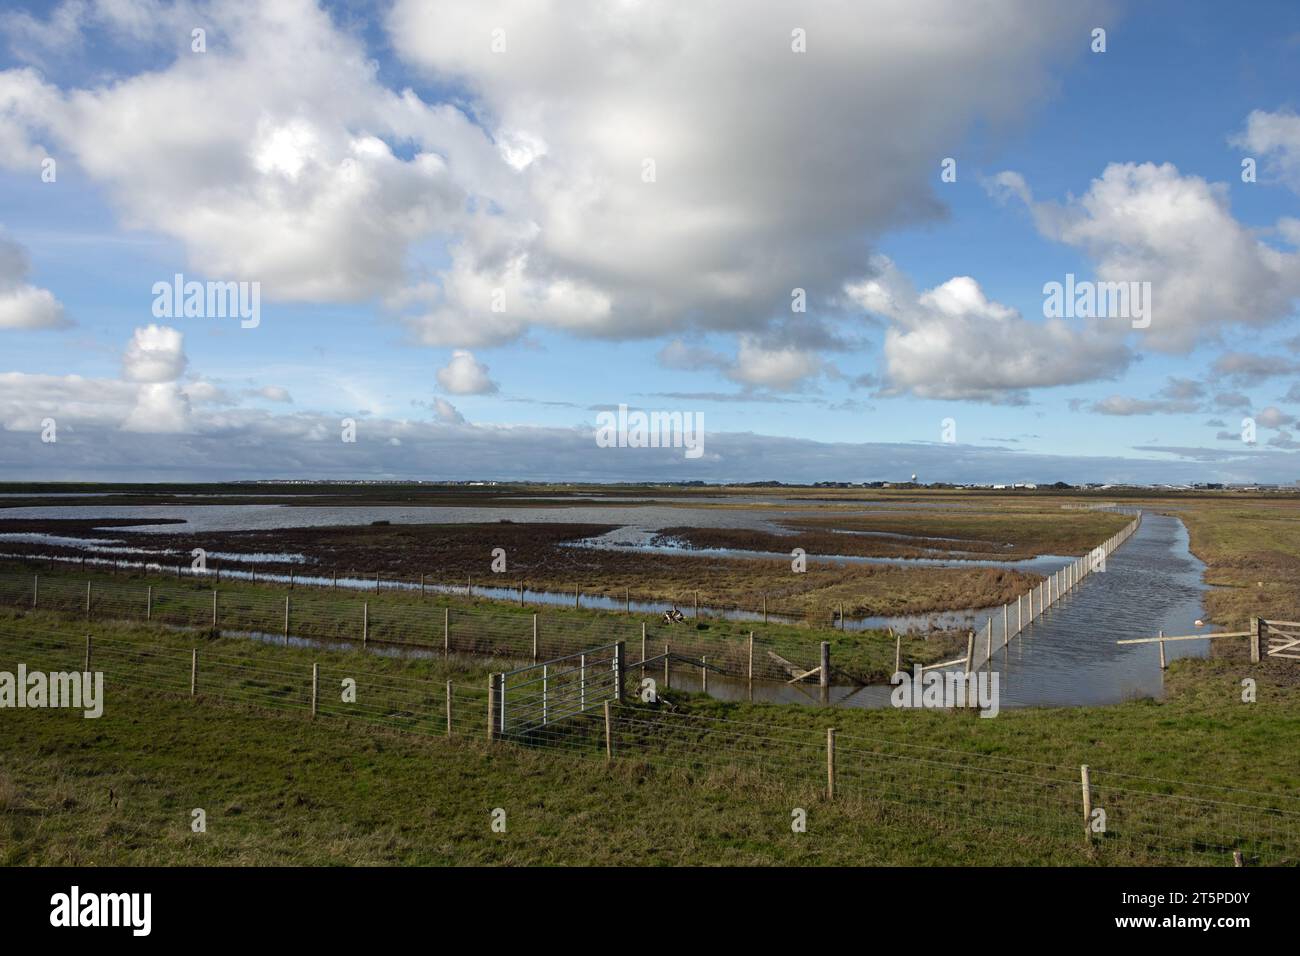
point(643, 648)
point(194, 671)
point(214, 609)
point(627, 600)
point(446, 631)
point(824, 678)
point(764, 607)
point(88, 587)
point(315, 683)
point(534, 638)
point(1087, 802)
point(970, 649)
point(750, 671)
point(830, 763)
point(1162, 652)
point(88, 643)
point(448, 708)
point(365, 623)
point(1255, 629)
point(286, 619)
point(148, 603)
point(898, 652)
point(704, 674)
point(492, 706)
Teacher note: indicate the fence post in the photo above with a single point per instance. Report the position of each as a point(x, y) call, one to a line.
point(704, 674)
point(627, 600)
point(88, 587)
point(214, 608)
point(988, 642)
point(448, 708)
point(830, 763)
point(620, 665)
point(970, 649)
point(315, 683)
point(446, 631)
point(286, 619)
point(1162, 652)
point(1087, 802)
point(750, 672)
point(582, 682)
point(824, 678)
point(421, 585)
point(609, 736)
point(492, 706)
point(898, 652)
point(194, 671)
point(668, 671)
point(1006, 626)
point(534, 638)
point(643, 648)
point(365, 623)
point(1255, 629)
point(545, 688)
point(148, 603)
point(764, 607)
point(88, 643)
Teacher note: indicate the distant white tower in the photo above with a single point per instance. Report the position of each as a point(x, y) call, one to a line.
point(914, 477)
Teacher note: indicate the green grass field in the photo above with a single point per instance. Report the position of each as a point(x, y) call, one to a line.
point(948, 788)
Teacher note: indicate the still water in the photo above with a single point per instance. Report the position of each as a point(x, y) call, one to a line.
point(1068, 657)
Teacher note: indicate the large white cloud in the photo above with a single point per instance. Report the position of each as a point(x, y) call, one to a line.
point(1142, 222)
point(953, 342)
point(771, 167)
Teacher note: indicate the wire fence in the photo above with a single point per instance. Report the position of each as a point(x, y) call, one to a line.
point(1101, 816)
point(346, 618)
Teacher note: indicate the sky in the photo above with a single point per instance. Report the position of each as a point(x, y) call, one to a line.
point(823, 234)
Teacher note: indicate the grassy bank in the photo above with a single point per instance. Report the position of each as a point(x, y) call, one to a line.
point(933, 788)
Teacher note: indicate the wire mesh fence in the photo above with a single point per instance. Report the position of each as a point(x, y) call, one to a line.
point(322, 615)
point(1104, 816)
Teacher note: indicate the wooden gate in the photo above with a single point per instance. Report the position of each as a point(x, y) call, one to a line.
point(1283, 638)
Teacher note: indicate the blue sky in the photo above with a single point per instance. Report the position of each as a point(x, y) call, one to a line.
point(776, 169)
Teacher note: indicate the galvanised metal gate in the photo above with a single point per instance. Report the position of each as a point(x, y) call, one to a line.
point(531, 698)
